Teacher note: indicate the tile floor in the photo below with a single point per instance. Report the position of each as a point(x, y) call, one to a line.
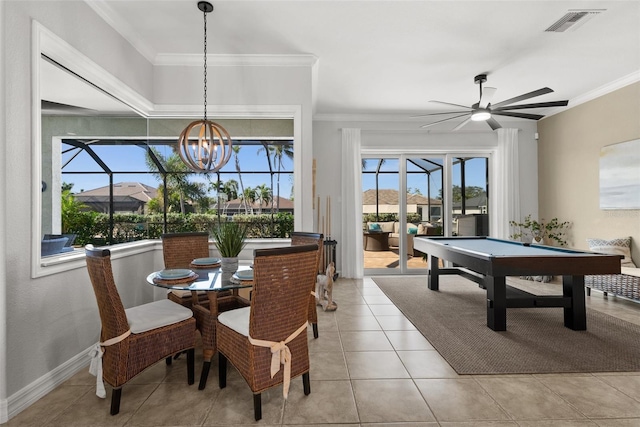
point(370, 367)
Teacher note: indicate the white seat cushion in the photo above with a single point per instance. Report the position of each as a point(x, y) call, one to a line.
point(237, 319)
point(156, 314)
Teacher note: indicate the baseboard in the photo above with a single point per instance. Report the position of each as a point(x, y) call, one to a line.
point(25, 397)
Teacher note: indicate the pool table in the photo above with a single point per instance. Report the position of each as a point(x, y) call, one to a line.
point(488, 261)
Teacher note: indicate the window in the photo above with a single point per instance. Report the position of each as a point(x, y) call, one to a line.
point(84, 105)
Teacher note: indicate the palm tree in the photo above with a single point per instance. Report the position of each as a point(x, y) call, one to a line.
point(176, 182)
point(278, 151)
point(249, 197)
point(264, 195)
point(230, 188)
point(236, 150)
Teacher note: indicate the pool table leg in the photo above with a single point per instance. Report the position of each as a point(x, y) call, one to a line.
point(433, 277)
point(575, 317)
point(496, 302)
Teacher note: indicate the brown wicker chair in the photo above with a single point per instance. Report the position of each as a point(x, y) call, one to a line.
point(304, 238)
point(139, 336)
point(178, 250)
point(278, 313)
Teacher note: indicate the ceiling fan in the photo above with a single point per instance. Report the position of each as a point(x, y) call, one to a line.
point(483, 110)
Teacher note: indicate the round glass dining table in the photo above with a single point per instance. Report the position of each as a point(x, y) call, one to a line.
point(211, 281)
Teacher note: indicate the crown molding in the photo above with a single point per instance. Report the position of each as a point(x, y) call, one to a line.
point(116, 22)
point(227, 111)
point(224, 60)
point(349, 117)
point(604, 89)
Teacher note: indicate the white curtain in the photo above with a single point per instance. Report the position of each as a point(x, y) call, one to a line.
point(506, 193)
point(352, 265)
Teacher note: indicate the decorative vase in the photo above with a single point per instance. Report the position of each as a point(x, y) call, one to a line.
point(229, 265)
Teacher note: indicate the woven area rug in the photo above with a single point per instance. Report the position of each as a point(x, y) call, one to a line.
point(453, 319)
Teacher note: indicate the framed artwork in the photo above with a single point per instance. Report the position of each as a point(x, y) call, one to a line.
point(620, 175)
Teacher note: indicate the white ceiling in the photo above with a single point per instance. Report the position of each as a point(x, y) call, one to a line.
point(392, 57)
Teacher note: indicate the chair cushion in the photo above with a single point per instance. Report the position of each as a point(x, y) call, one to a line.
point(412, 230)
point(621, 246)
point(237, 319)
point(375, 227)
point(156, 314)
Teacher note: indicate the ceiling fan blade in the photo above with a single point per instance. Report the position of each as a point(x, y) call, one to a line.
point(448, 103)
point(519, 115)
point(438, 114)
point(487, 96)
point(538, 105)
point(461, 125)
point(533, 94)
point(493, 123)
point(440, 121)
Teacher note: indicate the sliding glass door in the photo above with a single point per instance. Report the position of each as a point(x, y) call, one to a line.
point(408, 196)
point(470, 196)
point(423, 204)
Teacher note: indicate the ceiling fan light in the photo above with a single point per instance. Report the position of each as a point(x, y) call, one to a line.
point(480, 115)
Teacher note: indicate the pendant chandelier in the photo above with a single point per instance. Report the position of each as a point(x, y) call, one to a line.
point(212, 149)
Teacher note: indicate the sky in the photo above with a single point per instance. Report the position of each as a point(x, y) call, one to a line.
point(474, 176)
point(132, 158)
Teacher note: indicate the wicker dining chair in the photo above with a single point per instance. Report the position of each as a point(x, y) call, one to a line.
point(178, 250)
point(277, 317)
point(305, 238)
point(133, 339)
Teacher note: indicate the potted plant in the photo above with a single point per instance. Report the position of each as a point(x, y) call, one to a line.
point(537, 231)
point(229, 238)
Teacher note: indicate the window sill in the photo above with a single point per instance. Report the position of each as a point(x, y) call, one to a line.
point(66, 261)
point(76, 259)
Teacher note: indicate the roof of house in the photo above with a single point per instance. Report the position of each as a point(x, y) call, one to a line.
point(135, 190)
point(284, 204)
point(390, 197)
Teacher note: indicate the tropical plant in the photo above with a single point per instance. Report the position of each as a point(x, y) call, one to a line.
point(229, 238)
point(230, 188)
point(278, 152)
point(236, 151)
point(531, 229)
point(69, 209)
point(264, 195)
point(178, 180)
point(249, 197)
point(470, 191)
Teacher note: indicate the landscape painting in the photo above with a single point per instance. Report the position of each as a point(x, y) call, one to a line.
point(620, 176)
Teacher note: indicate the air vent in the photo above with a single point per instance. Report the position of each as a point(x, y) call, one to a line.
point(572, 20)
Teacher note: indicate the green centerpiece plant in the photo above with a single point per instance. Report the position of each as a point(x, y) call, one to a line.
point(230, 239)
point(537, 231)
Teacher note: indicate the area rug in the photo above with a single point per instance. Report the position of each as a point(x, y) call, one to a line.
point(453, 319)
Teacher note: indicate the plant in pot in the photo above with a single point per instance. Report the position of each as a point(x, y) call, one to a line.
point(553, 231)
point(229, 238)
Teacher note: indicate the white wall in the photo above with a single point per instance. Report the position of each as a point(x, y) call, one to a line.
point(402, 137)
point(52, 319)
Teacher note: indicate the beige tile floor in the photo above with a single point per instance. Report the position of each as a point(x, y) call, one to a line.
point(370, 367)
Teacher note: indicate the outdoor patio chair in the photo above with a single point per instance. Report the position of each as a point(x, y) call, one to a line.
point(273, 330)
point(135, 338)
